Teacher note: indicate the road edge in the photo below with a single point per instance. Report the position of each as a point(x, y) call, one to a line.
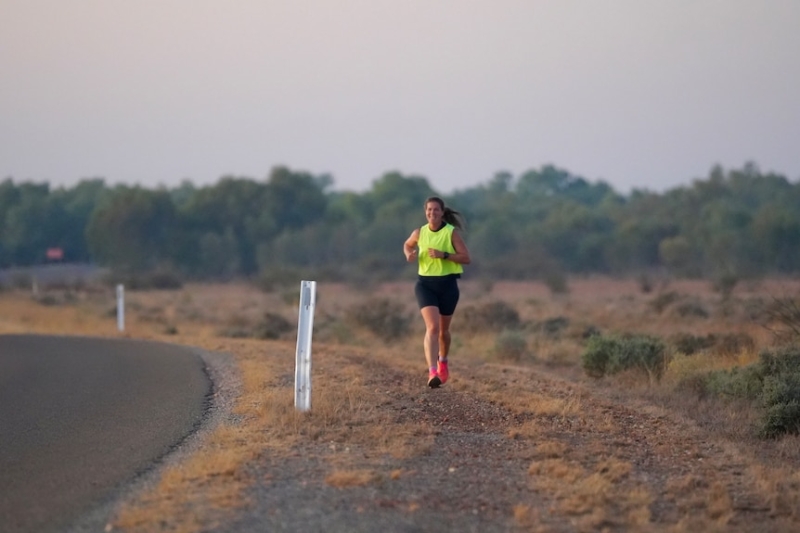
point(225, 385)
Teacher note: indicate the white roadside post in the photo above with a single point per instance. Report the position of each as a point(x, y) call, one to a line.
point(121, 307)
point(305, 327)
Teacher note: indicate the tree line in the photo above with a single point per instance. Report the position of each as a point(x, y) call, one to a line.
point(543, 222)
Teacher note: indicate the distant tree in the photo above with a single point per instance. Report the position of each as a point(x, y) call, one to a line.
point(31, 221)
point(776, 233)
point(549, 182)
point(407, 191)
point(295, 199)
point(78, 203)
point(577, 237)
point(132, 230)
point(233, 211)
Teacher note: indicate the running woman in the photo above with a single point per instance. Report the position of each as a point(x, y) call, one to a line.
point(440, 252)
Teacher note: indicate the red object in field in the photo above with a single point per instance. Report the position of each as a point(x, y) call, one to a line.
point(55, 254)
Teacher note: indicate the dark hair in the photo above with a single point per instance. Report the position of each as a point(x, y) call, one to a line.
point(451, 216)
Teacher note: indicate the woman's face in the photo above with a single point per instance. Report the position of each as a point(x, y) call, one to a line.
point(434, 213)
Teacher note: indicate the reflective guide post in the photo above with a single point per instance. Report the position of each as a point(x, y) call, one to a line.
point(305, 327)
point(120, 308)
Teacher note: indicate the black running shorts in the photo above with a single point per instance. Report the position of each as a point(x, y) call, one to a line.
point(438, 291)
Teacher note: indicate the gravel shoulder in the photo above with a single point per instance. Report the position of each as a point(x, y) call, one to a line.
point(554, 455)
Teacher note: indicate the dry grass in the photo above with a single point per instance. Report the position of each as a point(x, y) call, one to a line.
point(587, 481)
point(352, 478)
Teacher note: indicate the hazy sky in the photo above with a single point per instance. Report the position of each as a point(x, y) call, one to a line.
point(639, 93)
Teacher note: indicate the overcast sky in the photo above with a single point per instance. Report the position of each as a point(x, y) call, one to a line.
point(639, 93)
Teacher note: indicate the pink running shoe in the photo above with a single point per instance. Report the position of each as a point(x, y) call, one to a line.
point(433, 379)
point(444, 373)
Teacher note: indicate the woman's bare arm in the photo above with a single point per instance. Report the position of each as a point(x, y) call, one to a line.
point(410, 246)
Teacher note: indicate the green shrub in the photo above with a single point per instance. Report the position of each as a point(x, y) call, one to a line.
point(330, 329)
point(612, 354)
point(781, 399)
point(510, 345)
point(725, 344)
point(590, 331)
point(493, 316)
point(784, 360)
point(781, 418)
point(597, 356)
point(383, 317)
point(738, 382)
point(272, 326)
point(781, 395)
point(773, 382)
point(689, 344)
point(552, 327)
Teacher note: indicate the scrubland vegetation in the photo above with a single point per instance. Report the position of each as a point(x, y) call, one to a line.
point(569, 375)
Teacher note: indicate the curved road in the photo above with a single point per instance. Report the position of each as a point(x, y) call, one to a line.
point(80, 417)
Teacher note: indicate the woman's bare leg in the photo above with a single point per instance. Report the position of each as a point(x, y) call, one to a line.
point(444, 335)
point(430, 344)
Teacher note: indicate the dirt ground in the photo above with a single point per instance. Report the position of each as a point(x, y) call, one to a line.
point(564, 456)
point(533, 446)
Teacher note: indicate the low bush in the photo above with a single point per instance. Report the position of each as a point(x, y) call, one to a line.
point(237, 327)
point(689, 344)
point(781, 395)
point(611, 354)
point(493, 316)
point(773, 383)
point(782, 405)
point(785, 360)
point(272, 326)
point(510, 345)
point(738, 382)
point(553, 327)
point(724, 344)
point(382, 316)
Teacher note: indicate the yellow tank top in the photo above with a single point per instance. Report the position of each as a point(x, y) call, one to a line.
point(439, 240)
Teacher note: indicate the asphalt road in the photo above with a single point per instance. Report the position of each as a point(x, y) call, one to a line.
point(81, 417)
